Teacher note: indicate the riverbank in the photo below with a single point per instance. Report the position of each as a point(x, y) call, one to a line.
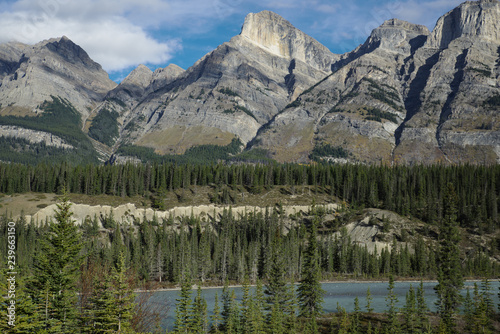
point(232, 286)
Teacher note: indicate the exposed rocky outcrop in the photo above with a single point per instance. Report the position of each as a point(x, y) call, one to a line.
point(130, 214)
point(277, 36)
point(476, 20)
point(33, 136)
point(142, 81)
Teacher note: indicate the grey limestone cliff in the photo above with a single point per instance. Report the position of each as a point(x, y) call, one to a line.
point(232, 91)
point(405, 96)
point(58, 67)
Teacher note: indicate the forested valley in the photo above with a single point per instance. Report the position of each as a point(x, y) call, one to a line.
point(81, 278)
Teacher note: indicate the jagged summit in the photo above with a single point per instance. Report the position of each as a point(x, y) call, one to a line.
point(142, 81)
point(278, 36)
point(403, 25)
point(397, 35)
point(472, 19)
point(140, 76)
point(70, 51)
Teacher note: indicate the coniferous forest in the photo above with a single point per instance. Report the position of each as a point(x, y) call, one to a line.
point(81, 279)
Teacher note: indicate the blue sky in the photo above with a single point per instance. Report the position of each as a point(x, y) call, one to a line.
point(121, 34)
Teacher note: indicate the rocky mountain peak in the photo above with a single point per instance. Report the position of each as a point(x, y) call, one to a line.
point(279, 37)
point(163, 76)
point(472, 19)
point(170, 72)
point(397, 34)
point(403, 25)
point(70, 51)
point(264, 27)
point(140, 76)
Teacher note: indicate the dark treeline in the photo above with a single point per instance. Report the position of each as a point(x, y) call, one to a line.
point(234, 247)
point(416, 191)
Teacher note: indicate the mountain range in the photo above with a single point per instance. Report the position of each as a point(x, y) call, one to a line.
point(405, 96)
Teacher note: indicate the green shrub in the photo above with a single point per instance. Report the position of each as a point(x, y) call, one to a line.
point(228, 92)
point(374, 114)
point(294, 104)
point(246, 111)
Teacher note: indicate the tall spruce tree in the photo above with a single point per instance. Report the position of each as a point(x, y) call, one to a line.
point(200, 317)
point(450, 277)
point(422, 309)
point(183, 314)
point(216, 316)
point(310, 293)
point(98, 315)
point(410, 311)
point(123, 296)
point(276, 288)
point(56, 271)
point(393, 325)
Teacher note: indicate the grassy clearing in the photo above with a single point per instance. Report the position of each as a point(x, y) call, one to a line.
point(30, 203)
point(177, 139)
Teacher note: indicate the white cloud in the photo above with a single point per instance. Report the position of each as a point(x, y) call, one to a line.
point(102, 28)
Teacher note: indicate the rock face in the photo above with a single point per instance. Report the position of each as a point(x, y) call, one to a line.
point(406, 95)
point(142, 81)
point(33, 136)
point(58, 67)
point(276, 35)
point(232, 91)
point(478, 20)
point(129, 213)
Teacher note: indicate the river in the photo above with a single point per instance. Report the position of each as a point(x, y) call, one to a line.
point(342, 293)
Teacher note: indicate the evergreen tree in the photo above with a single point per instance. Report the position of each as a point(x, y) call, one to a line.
point(276, 288)
point(290, 309)
point(356, 318)
point(469, 312)
point(393, 326)
point(450, 279)
point(246, 309)
point(233, 325)
point(98, 315)
point(216, 316)
point(344, 322)
point(200, 318)
point(422, 309)
point(56, 269)
point(487, 295)
point(410, 311)
point(310, 293)
point(275, 324)
point(123, 296)
point(482, 321)
point(369, 300)
point(256, 310)
point(183, 314)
